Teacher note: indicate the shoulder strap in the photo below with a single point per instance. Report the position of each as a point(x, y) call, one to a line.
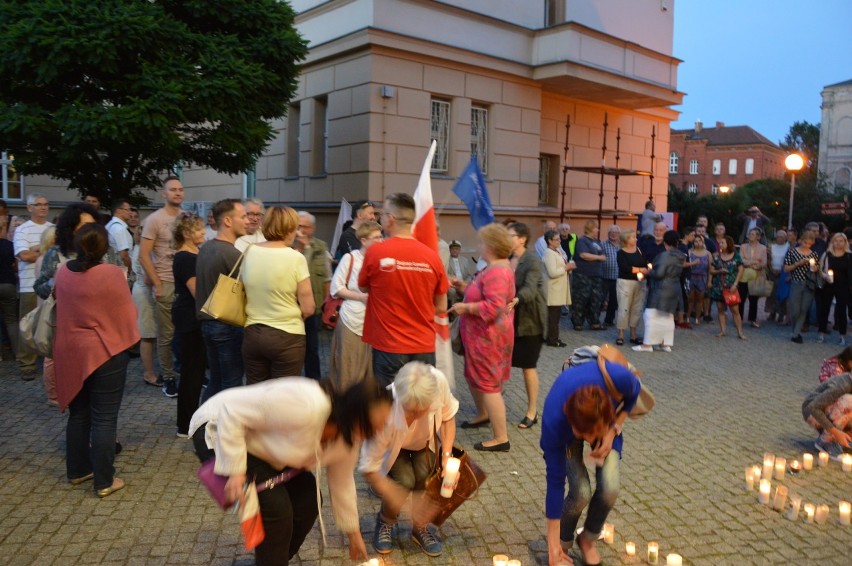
point(351, 263)
point(613, 391)
point(239, 264)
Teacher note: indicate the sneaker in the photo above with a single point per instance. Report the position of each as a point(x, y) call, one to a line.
point(643, 348)
point(182, 434)
point(835, 451)
point(170, 388)
point(383, 536)
point(426, 541)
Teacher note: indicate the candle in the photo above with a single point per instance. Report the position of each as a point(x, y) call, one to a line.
point(780, 498)
point(500, 560)
point(795, 467)
point(650, 266)
point(749, 477)
point(373, 562)
point(609, 533)
point(795, 505)
point(630, 548)
point(810, 509)
point(823, 458)
point(812, 261)
point(639, 277)
point(674, 560)
point(451, 476)
point(780, 468)
point(768, 464)
point(765, 488)
point(755, 471)
point(807, 461)
point(846, 462)
point(653, 552)
point(844, 508)
point(822, 512)
point(514, 563)
point(830, 277)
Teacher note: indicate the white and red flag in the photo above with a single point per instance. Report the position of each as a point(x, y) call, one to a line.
point(425, 230)
point(250, 520)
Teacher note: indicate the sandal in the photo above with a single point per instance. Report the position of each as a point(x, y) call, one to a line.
point(527, 422)
point(619, 341)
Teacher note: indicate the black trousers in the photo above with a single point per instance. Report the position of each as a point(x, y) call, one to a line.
point(193, 363)
point(553, 314)
point(312, 360)
point(611, 300)
point(824, 297)
point(742, 288)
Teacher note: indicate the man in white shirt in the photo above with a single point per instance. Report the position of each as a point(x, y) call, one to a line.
point(27, 249)
point(120, 238)
point(254, 219)
point(540, 244)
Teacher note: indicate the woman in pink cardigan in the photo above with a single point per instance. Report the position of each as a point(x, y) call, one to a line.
point(90, 353)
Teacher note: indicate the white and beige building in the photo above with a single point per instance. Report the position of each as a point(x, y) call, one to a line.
point(497, 78)
point(835, 136)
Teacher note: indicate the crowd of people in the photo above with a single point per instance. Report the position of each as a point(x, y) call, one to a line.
point(254, 396)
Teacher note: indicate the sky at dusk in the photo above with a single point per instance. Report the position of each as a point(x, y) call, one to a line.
point(759, 63)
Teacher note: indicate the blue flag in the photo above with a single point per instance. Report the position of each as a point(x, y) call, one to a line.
point(470, 188)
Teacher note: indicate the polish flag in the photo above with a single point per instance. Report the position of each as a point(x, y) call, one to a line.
point(425, 230)
point(250, 520)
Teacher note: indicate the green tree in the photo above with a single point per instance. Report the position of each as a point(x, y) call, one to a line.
point(109, 95)
point(803, 138)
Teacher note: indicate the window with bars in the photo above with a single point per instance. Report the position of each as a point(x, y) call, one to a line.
point(12, 182)
point(440, 132)
point(674, 160)
point(479, 136)
point(693, 167)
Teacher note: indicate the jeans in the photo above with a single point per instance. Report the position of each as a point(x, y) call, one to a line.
point(312, 360)
point(580, 496)
point(93, 419)
point(165, 329)
point(410, 470)
point(611, 300)
point(9, 313)
point(223, 344)
point(386, 365)
point(800, 301)
point(192, 365)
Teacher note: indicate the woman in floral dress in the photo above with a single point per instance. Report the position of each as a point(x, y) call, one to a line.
point(725, 271)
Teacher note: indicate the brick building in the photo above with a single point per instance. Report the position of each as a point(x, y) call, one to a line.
point(703, 159)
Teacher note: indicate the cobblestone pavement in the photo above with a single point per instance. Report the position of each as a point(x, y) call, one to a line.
point(722, 403)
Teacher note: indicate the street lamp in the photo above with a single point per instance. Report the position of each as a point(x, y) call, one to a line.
point(724, 189)
point(793, 163)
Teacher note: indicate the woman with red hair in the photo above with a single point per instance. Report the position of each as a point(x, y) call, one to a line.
point(579, 408)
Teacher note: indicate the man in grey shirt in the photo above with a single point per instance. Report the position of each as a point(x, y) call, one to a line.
point(222, 342)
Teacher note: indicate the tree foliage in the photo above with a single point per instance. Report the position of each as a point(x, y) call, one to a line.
point(111, 94)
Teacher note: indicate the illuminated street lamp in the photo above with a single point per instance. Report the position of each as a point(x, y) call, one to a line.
point(724, 189)
point(793, 163)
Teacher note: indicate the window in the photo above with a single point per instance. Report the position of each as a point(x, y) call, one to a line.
point(693, 188)
point(440, 132)
point(13, 184)
point(732, 167)
point(673, 161)
point(693, 167)
point(714, 189)
point(749, 166)
point(554, 12)
point(717, 166)
point(479, 136)
point(319, 142)
point(548, 174)
point(294, 124)
point(177, 170)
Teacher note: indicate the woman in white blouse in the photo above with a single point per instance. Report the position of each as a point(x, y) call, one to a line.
point(352, 358)
point(557, 288)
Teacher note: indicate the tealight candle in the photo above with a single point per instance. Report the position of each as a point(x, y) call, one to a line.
point(630, 548)
point(810, 510)
point(653, 552)
point(749, 477)
point(780, 498)
point(609, 533)
point(674, 560)
point(823, 458)
point(451, 476)
point(795, 467)
point(844, 508)
point(822, 512)
point(768, 465)
point(795, 505)
point(763, 494)
point(846, 462)
point(780, 468)
point(500, 560)
point(807, 461)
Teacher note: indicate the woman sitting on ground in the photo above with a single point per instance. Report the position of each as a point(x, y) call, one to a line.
point(828, 409)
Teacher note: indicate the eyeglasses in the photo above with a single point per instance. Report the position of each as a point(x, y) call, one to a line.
point(366, 204)
point(254, 214)
point(41, 205)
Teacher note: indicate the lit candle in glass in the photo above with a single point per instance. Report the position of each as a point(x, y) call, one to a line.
point(674, 560)
point(823, 458)
point(500, 560)
point(514, 563)
point(780, 468)
point(795, 505)
point(451, 476)
point(630, 548)
point(768, 465)
point(373, 562)
point(780, 498)
point(807, 461)
point(609, 533)
point(755, 471)
point(765, 489)
point(653, 552)
point(812, 261)
point(639, 277)
point(749, 477)
point(830, 277)
point(795, 467)
point(846, 462)
point(844, 508)
point(822, 512)
point(810, 510)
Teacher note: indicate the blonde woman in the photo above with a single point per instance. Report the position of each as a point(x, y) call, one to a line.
point(836, 267)
point(630, 287)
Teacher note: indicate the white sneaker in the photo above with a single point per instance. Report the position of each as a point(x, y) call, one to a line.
point(665, 348)
point(643, 348)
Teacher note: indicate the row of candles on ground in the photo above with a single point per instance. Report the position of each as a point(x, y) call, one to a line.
point(813, 513)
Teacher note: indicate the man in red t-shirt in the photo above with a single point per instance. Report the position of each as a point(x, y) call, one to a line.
point(407, 286)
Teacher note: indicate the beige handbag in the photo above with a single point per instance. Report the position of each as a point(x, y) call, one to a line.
point(227, 301)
